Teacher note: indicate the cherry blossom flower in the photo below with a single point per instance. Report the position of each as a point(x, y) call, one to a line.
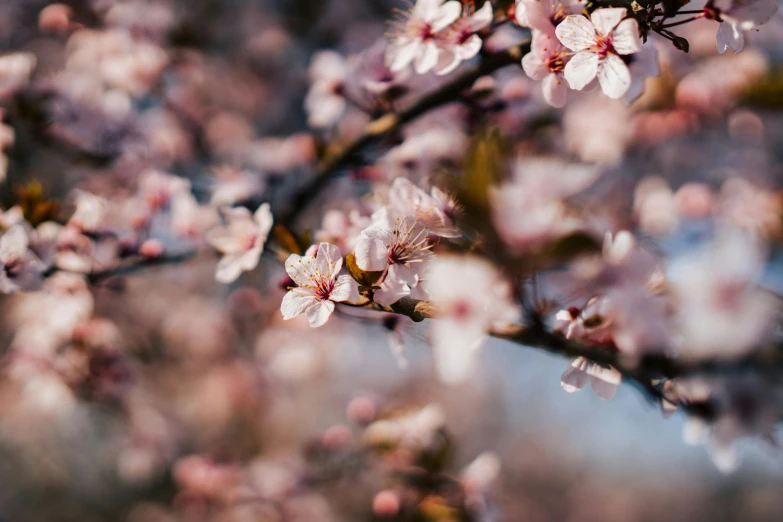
point(342, 228)
point(461, 41)
point(15, 71)
point(324, 102)
point(546, 61)
point(721, 312)
point(472, 298)
point(736, 17)
point(319, 285)
point(529, 209)
point(416, 39)
point(21, 269)
point(434, 210)
point(90, 212)
point(599, 44)
point(545, 15)
point(241, 241)
point(400, 249)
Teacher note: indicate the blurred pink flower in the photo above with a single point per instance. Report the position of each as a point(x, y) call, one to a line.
point(241, 241)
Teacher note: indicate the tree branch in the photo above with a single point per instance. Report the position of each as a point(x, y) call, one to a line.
point(389, 123)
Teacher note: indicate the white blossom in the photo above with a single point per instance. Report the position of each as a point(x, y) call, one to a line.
point(241, 241)
point(599, 44)
point(319, 285)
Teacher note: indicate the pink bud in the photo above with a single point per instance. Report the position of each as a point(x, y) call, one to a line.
point(386, 503)
point(152, 248)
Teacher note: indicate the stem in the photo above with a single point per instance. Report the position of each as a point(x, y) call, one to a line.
point(382, 127)
point(135, 264)
point(682, 22)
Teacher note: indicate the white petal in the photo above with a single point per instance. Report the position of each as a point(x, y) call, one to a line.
point(470, 48)
point(264, 220)
point(228, 268)
point(482, 18)
point(536, 65)
point(455, 347)
point(298, 268)
point(345, 289)
point(607, 19)
point(754, 13)
point(602, 389)
point(447, 15)
point(614, 77)
point(371, 254)
point(576, 32)
point(390, 292)
point(329, 259)
point(249, 260)
point(574, 378)
point(729, 36)
point(555, 90)
point(581, 69)
point(323, 110)
point(13, 244)
point(427, 58)
point(403, 54)
point(296, 302)
point(319, 312)
point(625, 37)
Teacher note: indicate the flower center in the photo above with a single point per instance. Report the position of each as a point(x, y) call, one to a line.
point(323, 289)
point(556, 63)
point(604, 47)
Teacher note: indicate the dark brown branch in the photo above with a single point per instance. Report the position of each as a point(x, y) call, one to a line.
point(389, 123)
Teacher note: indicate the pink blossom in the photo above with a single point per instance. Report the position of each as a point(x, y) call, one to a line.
point(461, 41)
point(241, 241)
point(472, 298)
point(546, 61)
point(400, 249)
point(416, 40)
point(598, 44)
point(319, 285)
point(738, 16)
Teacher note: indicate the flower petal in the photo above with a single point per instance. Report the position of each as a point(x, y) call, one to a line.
point(447, 14)
point(295, 302)
point(427, 58)
point(329, 260)
point(403, 53)
point(345, 289)
point(574, 378)
point(729, 35)
point(555, 90)
point(482, 18)
point(581, 69)
point(625, 37)
point(319, 312)
point(614, 76)
point(371, 254)
point(576, 32)
point(607, 19)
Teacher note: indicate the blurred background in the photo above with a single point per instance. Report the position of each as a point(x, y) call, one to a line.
point(190, 400)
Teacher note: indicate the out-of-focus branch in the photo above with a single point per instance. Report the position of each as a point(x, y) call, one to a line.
point(385, 125)
point(643, 371)
point(131, 265)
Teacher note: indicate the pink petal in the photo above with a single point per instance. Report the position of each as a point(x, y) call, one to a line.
point(555, 90)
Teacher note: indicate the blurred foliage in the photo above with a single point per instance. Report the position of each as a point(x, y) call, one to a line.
point(766, 93)
point(36, 207)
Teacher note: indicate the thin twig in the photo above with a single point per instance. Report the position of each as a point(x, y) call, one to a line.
point(382, 127)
